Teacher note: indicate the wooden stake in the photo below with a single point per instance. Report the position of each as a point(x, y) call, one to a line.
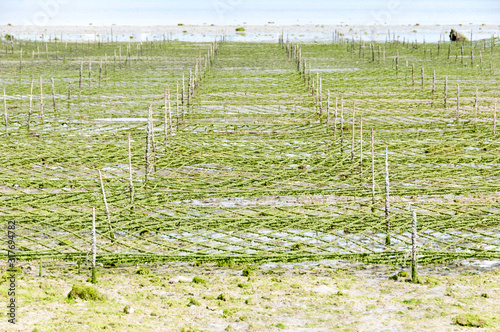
point(353, 122)
point(397, 61)
point(148, 143)
point(53, 95)
point(360, 144)
point(189, 90)
point(445, 91)
point(108, 215)
point(328, 110)
point(152, 135)
point(93, 278)
point(422, 78)
point(41, 98)
point(412, 74)
point(177, 105)
point(169, 112)
point(414, 273)
point(458, 102)
point(31, 103)
point(320, 101)
point(131, 184)
point(388, 224)
point(341, 123)
point(335, 121)
point(90, 71)
point(5, 110)
point(433, 83)
point(165, 118)
point(475, 108)
point(80, 81)
point(495, 119)
point(373, 171)
point(182, 99)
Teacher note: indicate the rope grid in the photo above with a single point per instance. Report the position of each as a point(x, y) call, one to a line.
point(250, 170)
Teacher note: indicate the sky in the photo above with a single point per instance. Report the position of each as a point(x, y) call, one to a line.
point(255, 12)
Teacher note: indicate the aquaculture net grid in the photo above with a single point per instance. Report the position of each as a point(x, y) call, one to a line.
point(250, 172)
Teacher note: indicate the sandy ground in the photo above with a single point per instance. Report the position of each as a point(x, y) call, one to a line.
point(252, 33)
point(311, 296)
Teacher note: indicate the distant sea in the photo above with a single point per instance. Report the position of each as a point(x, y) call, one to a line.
point(405, 14)
point(255, 12)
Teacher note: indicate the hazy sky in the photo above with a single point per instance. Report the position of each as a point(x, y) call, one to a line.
point(220, 12)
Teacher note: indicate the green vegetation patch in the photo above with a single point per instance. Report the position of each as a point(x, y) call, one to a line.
point(471, 320)
point(85, 292)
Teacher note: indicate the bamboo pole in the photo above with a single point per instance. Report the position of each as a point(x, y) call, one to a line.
point(458, 102)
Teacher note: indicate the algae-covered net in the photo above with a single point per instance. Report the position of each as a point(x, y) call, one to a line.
point(246, 156)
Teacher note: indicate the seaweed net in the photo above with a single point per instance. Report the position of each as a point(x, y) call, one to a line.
point(251, 170)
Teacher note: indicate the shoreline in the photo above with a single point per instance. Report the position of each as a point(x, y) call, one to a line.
point(252, 33)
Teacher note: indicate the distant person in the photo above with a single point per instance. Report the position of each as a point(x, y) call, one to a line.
point(457, 36)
